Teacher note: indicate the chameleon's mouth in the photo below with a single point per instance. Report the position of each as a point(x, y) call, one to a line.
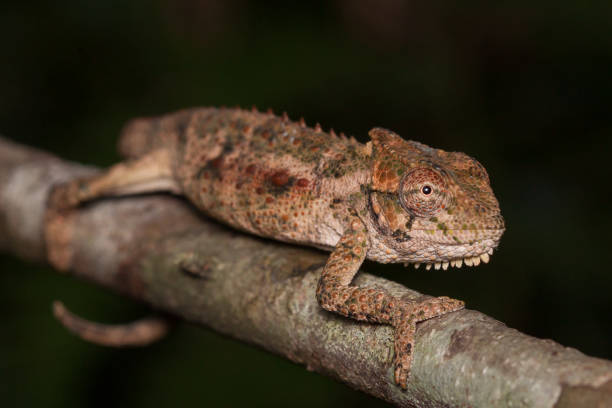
point(456, 263)
point(430, 242)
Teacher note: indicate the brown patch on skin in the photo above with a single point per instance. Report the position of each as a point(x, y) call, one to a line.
point(302, 182)
point(217, 163)
point(390, 214)
point(279, 178)
point(251, 169)
point(385, 179)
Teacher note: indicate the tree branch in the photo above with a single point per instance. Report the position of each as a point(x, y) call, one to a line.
point(157, 249)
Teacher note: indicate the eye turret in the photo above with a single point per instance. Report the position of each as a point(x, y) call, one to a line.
point(423, 192)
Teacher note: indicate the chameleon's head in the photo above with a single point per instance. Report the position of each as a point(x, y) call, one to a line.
point(429, 206)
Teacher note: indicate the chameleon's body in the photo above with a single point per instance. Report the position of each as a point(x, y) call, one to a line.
point(389, 200)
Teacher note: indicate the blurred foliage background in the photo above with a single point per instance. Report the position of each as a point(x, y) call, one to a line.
point(525, 87)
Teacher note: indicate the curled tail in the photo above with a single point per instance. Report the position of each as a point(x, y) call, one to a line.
point(139, 333)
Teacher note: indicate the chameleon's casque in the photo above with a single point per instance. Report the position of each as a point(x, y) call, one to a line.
point(389, 200)
point(431, 206)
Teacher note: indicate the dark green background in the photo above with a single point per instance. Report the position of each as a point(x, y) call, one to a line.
point(525, 87)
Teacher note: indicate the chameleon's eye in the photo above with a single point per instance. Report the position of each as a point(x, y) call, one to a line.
point(423, 192)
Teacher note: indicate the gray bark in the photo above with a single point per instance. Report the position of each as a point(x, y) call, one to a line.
point(157, 249)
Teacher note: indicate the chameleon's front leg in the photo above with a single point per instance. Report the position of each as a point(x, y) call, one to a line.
point(335, 294)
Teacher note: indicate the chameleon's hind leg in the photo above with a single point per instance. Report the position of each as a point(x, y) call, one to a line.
point(335, 294)
point(149, 173)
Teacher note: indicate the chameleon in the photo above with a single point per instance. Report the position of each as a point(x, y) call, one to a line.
point(388, 200)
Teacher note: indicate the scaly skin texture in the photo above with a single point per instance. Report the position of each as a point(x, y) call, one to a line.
point(389, 200)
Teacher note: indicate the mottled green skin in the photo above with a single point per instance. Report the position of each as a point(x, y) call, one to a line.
point(389, 200)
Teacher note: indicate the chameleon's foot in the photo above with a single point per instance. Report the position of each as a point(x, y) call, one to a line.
point(405, 320)
point(66, 196)
point(61, 205)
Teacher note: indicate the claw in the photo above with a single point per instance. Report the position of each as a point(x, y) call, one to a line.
point(401, 378)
